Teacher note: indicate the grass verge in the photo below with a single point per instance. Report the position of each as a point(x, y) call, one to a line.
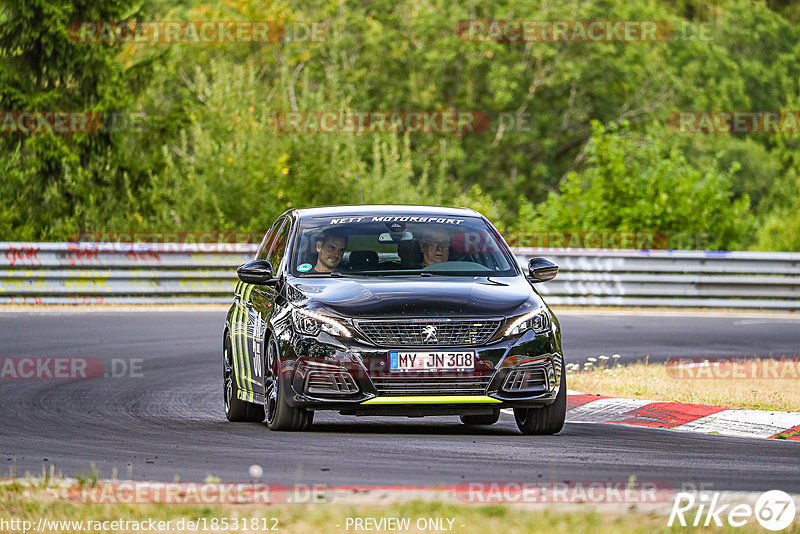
point(22, 502)
point(714, 386)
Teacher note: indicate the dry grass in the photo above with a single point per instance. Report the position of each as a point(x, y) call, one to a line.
point(656, 382)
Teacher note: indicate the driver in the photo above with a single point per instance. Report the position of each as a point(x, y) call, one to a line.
point(435, 246)
point(330, 249)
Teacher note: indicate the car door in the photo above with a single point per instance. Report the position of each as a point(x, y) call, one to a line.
point(260, 304)
point(241, 320)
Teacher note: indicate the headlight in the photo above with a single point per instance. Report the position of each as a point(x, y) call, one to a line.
point(537, 320)
point(311, 323)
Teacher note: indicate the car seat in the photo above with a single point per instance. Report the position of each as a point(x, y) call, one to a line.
point(363, 260)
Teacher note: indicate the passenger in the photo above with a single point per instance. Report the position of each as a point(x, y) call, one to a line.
point(435, 246)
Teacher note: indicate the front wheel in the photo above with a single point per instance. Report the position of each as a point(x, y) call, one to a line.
point(280, 415)
point(547, 419)
point(236, 410)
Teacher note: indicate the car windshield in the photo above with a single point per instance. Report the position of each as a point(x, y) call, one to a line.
point(379, 245)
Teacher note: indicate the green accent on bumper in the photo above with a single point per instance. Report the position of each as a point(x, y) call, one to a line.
point(435, 399)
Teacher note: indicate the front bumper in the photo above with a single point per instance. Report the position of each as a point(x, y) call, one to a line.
point(327, 373)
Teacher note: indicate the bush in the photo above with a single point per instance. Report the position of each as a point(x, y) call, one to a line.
point(641, 185)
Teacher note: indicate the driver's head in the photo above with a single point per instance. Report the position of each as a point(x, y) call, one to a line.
point(330, 249)
point(435, 245)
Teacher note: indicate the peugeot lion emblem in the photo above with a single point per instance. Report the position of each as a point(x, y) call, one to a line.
point(430, 334)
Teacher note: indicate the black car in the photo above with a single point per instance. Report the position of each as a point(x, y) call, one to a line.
point(391, 310)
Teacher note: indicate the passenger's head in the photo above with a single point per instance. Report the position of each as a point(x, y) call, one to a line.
point(330, 249)
point(435, 246)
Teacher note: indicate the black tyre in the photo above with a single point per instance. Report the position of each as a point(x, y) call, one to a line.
point(236, 410)
point(487, 419)
point(280, 415)
point(547, 419)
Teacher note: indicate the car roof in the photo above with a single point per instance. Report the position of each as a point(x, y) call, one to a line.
point(385, 209)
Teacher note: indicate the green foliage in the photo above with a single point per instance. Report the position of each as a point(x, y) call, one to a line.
point(779, 216)
point(634, 185)
point(780, 231)
point(56, 184)
point(210, 158)
point(779, 227)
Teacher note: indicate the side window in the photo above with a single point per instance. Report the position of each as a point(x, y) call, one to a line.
point(278, 247)
point(269, 238)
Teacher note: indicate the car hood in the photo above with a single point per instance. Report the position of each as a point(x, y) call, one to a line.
point(429, 296)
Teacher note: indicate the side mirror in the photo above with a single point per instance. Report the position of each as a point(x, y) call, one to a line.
point(541, 270)
point(258, 272)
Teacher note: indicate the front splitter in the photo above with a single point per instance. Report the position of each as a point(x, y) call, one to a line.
point(434, 399)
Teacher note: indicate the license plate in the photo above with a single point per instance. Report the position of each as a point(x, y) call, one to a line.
point(432, 361)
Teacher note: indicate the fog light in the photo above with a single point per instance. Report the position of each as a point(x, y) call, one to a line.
point(530, 377)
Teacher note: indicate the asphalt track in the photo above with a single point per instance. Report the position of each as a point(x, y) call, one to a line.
point(169, 421)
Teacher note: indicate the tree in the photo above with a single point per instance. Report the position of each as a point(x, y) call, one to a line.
point(54, 183)
point(641, 185)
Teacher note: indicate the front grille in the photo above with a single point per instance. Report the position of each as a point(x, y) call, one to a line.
point(330, 382)
point(434, 385)
point(424, 334)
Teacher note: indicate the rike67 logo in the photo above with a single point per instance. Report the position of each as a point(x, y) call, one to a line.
point(774, 510)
